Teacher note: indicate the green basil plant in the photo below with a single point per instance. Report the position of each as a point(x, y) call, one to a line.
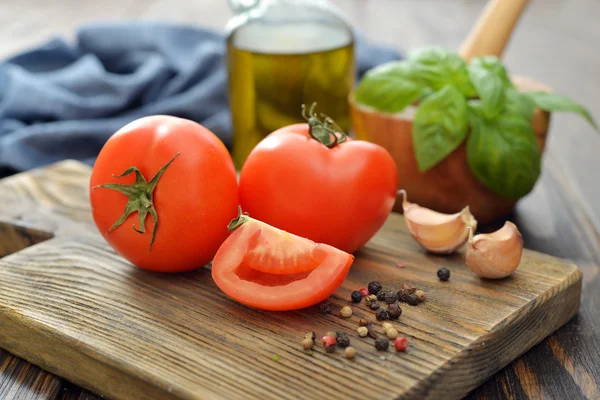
point(477, 103)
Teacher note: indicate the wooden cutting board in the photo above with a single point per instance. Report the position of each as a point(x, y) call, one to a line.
point(69, 304)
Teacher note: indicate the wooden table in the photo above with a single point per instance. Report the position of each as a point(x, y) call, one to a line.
point(556, 42)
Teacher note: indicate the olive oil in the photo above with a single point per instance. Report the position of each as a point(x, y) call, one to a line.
point(274, 69)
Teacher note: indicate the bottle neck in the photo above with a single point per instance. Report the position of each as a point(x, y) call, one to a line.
point(240, 6)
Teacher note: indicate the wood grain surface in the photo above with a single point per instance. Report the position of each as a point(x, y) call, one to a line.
point(552, 43)
point(72, 306)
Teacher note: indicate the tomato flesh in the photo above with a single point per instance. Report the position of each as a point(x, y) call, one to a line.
point(320, 269)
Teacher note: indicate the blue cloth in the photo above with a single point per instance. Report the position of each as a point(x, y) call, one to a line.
point(64, 100)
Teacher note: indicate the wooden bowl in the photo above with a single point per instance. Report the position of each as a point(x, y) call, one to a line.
point(449, 186)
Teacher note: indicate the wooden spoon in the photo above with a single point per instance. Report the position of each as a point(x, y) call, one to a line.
point(493, 29)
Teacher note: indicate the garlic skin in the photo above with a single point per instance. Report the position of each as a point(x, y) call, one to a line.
point(436, 232)
point(495, 255)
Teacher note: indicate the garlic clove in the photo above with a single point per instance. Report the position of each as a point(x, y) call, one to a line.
point(438, 233)
point(495, 255)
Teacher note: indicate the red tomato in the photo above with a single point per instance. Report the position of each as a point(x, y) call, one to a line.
point(267, 268)
point(340, 196)
point(193, 199)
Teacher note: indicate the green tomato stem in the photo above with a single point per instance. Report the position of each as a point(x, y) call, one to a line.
point(140, 198)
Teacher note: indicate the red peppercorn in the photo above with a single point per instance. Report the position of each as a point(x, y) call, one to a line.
point(364, 291)
point(401, 343)
point(329, 343)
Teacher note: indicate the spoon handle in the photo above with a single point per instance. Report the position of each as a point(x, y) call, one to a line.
point(492, 30)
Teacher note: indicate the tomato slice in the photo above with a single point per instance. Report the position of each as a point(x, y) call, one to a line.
point(267, 268)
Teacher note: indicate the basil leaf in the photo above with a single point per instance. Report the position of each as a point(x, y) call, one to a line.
point(487, 75)
point(492, 65)
point(437, 67)
point(519, 103)
point(557, 102)
point(502, 152)
point(439, 126)
point(389, 87)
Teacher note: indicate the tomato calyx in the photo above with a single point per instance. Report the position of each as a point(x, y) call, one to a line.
point(140, 198)
point(238, 221)
point(325, 131)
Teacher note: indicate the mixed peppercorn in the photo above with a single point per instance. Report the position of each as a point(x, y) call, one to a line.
point(374, 295)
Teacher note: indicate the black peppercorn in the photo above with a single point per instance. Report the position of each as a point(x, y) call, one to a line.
point(394, 311)
point(382, 343)
point(325, 308)
point(381, 295)
point(356, 296)
point(382, 315)
point(391, 297)
point(342, 339)
point(374, 287)
point(374, 305)
point(402, 296)
point(413, 299)
point(443, 274)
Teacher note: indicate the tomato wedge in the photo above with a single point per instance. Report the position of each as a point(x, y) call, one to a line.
point(268, 268)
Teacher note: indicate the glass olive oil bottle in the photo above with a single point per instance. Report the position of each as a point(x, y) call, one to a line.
point(282, 54)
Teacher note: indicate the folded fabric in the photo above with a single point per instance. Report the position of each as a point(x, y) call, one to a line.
point(64, 100)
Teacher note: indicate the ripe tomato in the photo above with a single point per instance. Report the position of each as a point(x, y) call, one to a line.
point(340, 196)
point(267, 268)
point(193, 194)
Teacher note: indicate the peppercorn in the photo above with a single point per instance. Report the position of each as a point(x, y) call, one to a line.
point(402, 295)
point(394, 311)
point(362, 331)
point(346, 312)
point(370, 299)
point(310, 336)
point(374, 305)
point(381, 295)
point(413, 300)
point(350, 352)
point(356, 296)
point(387, 325)
point(443, 274)
point(382, 344)
point(307, 344)
point(391, 297)
point(364, 292)
point(331, 333)
point(391, 333)
point(421, 295)
point(325, 308)
point(382, 315)
point(374, 287)
point(343, 341)
point(371, 332)
point(328, 343)
point(401, 343)
point(363, 322)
